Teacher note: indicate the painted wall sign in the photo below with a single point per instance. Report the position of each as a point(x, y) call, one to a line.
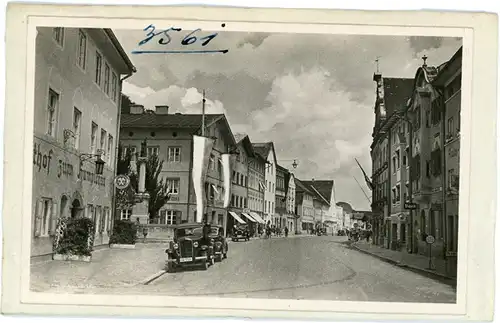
point(46, 161)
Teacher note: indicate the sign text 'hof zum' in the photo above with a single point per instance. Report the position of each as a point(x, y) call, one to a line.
point(45, 161)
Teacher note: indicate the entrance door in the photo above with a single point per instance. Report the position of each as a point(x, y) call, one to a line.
point(64, 206)
point(394, 235)
point(76, 209)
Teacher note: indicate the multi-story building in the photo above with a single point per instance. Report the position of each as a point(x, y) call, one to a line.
point(326, 206)
point(266, 150)
point(304, 207)
point(448, 82)
point(347, 215)
point(389, 151)
point(426, 163)
point(170, 136)
point(292, 217)
point(240, 205)
point(77, 99)
point(256, 185)
point(281, 218)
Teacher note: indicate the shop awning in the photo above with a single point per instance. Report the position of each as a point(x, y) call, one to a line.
point(249, 217)
point(237, 218)
point(257, 217)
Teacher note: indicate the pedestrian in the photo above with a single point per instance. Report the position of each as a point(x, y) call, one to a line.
point(286, 232)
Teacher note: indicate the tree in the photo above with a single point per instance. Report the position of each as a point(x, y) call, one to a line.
point(154, 185)
point(125, 198)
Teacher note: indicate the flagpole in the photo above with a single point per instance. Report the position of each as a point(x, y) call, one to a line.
point(203, 115)
point(369, 201)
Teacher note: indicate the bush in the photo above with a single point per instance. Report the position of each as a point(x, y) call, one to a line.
point(74, 237)
point(124, 232)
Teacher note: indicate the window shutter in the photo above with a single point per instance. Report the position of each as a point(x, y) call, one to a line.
point(53, 219)
point(38, 217)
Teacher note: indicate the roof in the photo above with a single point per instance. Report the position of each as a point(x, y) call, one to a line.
point(245, 142)
point(300, 187)
point(120, 49)
point(239, 136)
point(152, 120)
point(397, 91)
point(324, 187)
point(446, 70)
point(263, 148)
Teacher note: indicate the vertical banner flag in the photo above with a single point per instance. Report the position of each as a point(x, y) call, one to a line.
point(202, 147)
point(226, 164)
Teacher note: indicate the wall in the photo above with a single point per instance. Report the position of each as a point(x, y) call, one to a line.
point(269, 196)
point(56, 159)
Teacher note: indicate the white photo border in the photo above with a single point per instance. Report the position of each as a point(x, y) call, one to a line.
point(475, 283)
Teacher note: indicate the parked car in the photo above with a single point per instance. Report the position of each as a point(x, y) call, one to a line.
point(191, 247)
point(220, 244)
point(241, 232)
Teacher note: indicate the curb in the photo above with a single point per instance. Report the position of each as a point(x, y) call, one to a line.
point(151, 278)
point(425, 272)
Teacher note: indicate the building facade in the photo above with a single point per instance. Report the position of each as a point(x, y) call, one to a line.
point(304, 208)
point(256, 186)
point(77, 98)
point(170, 137)
point(240, 204)
point(449, 83)
point(281, 218)
point(292, 218)
point(266, 150)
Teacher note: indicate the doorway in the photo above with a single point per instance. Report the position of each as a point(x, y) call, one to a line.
point(76, 209)
point(64, 206)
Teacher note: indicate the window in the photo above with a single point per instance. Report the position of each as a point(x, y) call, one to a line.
point(153, 151)
point(58, 35)
point(46, 212)
point(125, 214)
point(450, 127)
point(104, 135)
point(106, 78)
point(114, 86)
point(82, 50)
point(98, 68)
point(93, 138)
point(174, 154)
point(109, 154)
point(397, 159)
point(173, 185)
point(168, 217)
point(77, 125)
point(52, 107)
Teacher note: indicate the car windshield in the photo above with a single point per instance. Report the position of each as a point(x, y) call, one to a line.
point(213, 231)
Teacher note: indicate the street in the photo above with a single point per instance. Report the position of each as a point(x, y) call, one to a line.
point(321, 268)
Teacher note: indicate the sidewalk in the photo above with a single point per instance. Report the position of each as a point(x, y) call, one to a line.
point(417, 263)
point(109, 268)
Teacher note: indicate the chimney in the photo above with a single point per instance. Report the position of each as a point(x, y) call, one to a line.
point(136, 109)
point(161, 109)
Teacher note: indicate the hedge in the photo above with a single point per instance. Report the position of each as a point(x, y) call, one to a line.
point(74, 237)
point(124, 232)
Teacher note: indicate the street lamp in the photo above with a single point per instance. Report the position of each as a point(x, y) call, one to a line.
point(99, 163)
point(294, 164)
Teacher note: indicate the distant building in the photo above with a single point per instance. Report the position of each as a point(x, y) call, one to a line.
point(77, 98)
point(304, 207)
point(326, 208)
point(266, 150)
point(281, 218)
point(256, 184)
point(170, 136)
point(347, 215)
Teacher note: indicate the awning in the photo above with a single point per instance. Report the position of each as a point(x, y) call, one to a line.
point(237, 218)
point(249, 217)
point(257, 217)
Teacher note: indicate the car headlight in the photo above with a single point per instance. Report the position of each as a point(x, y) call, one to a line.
point(176, 246)
point(195, 244)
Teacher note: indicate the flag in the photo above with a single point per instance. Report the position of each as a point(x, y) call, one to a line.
point(202, 147)
point(367, 179)
point(226, 169)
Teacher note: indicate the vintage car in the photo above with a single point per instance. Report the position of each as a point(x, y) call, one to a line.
point(220, 243)
point(190, 247)
point(240, 232)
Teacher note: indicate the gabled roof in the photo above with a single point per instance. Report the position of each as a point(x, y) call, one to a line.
point(245, 142)
point(263, 148)
point(301, 188)
point(152, 120)
point(324, 187)
point(397, 91)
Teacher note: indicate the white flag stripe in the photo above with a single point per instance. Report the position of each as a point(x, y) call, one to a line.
point(226, 166)
point(202, 147)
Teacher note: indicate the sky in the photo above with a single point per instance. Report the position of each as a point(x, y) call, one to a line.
point(312, 95)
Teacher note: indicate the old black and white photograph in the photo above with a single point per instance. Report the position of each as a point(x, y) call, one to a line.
point(197, 163)
point(217, 162)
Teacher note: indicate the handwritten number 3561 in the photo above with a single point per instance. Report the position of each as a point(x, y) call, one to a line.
point(187, 40)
